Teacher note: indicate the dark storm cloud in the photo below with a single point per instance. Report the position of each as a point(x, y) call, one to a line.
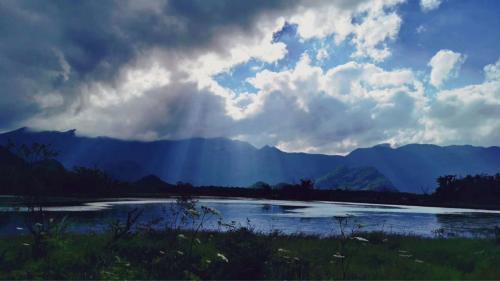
point(48, 46)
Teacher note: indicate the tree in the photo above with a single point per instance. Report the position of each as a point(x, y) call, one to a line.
point(34, 153)
point(446, 181)
point(306, 184)
point(261, 185)
point(39, 225)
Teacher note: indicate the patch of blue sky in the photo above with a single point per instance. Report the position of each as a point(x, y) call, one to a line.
point(236, 78)
point(295, 47)
point(336, 54)
point(467, 27)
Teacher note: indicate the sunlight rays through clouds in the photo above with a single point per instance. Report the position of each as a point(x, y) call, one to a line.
point(324, 76)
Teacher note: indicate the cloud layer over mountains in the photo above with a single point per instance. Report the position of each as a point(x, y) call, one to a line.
point(147, 70)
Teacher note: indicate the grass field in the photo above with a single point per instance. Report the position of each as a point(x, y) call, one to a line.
point(242, 254)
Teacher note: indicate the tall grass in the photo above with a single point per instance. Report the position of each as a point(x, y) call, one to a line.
point(129, 251)
point(242, 254)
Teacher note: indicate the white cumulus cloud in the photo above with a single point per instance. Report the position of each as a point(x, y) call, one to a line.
point(468, 115)
point(445, 64)
point(492, 71)
point(371, 24)
point(322, 54)
point(429, 5)
point(334, 111)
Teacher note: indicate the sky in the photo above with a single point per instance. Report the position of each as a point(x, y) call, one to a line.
point(310, 76)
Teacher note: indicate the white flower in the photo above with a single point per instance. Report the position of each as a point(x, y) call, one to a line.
point(222, 257)
point(405, 256)
point(338, 256)
point(193, 212)
point(360, 239)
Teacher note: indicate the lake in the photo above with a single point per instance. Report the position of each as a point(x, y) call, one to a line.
point(316, 217)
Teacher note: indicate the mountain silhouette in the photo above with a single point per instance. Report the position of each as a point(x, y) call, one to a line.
point(224, 162)
point(360, 178)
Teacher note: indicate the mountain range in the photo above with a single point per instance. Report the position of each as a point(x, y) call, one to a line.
point(224, 162)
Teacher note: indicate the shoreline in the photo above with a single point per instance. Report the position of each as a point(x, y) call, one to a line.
point(59, 201)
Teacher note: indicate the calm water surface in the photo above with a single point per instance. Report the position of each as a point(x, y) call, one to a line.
point(269, 215)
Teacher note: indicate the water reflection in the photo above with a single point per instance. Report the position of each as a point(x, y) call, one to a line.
point(274, 215)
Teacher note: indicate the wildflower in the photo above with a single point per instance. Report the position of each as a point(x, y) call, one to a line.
point(405, 256)
point(193, 212)
point(222, 257)
point(210, 210)
point(208, 261)
point(360, 239)
point(338, 256)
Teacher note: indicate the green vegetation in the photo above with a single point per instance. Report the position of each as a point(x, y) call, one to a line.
point(361, 178)
point(479, 189)
point(31, 170)
point(241, 254)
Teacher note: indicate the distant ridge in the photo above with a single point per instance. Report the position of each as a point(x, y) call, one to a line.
point(220, 161)
point(360, 178)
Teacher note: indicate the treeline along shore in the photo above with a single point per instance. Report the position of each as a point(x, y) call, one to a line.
point(32, 170)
